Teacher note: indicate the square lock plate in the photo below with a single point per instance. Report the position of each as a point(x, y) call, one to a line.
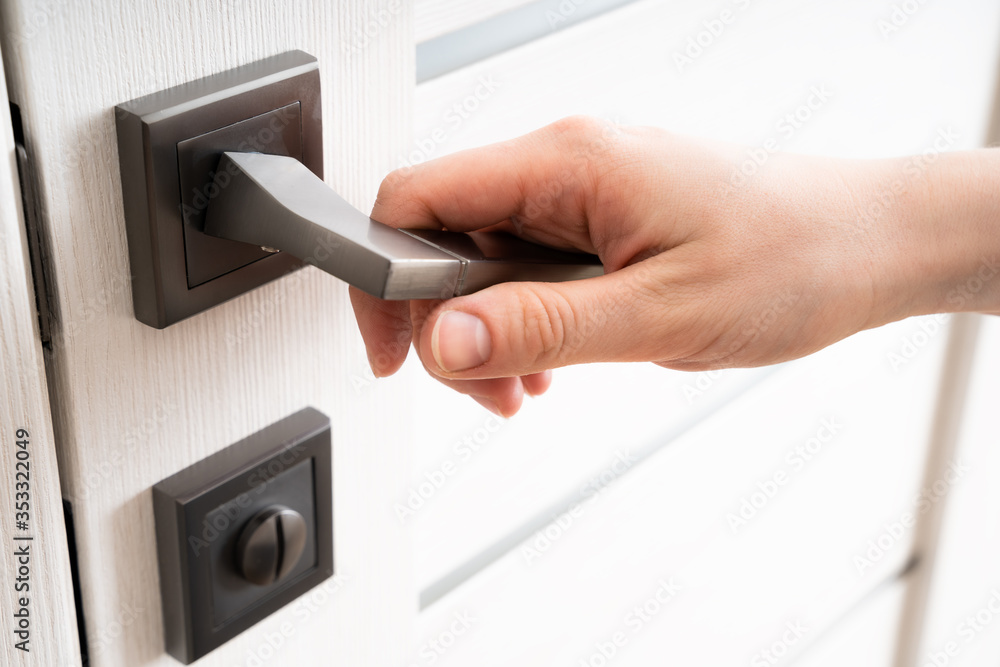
point(277, 132)
point(204, 513)
point(169, 144)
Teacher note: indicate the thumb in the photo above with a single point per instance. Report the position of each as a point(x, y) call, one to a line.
point(518, 328)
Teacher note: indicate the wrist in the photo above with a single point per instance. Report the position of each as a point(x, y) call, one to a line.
point(937, 217)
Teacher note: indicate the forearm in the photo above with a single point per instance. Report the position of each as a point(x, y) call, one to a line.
point(942, 228)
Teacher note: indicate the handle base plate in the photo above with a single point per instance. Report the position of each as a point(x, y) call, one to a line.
point(169, 146)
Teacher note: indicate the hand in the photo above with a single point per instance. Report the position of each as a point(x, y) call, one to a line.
point(705, 267)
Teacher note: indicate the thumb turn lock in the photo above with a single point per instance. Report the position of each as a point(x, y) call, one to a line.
point(271, 545)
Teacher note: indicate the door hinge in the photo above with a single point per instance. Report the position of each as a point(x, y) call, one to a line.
point(32, 219)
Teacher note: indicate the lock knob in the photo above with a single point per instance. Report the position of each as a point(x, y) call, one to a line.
point(270, 545)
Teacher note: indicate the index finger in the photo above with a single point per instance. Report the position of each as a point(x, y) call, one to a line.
point(538, 186)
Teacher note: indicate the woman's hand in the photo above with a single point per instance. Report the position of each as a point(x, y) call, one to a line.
point(706, 266)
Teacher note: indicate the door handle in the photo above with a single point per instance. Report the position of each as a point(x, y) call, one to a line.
point(241, 151)
point(277, 203)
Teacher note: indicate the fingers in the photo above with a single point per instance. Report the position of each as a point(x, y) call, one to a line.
point(501, 396)
point(537, 384)
point(539, 186)
point(548, 175)
point(386, 329)
point(518, 329)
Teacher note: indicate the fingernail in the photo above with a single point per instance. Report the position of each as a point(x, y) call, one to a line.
point(488, 404)
point(460, 341)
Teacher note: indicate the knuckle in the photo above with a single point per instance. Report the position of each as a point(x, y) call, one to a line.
point(578, 127)
point(593, 147)
point(395, 203)
point(391, 184)
point(548, 321)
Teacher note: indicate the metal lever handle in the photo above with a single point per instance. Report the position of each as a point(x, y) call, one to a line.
point(276, 202)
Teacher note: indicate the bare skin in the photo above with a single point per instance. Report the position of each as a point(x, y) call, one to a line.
point(705, 267)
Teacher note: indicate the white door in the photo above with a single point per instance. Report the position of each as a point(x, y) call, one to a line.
point(133, 405)
point(706, 519)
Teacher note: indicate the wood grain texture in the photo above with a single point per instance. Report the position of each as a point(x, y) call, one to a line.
point(889, 96)
point(135, 404)
point(24, 404)
point(439, 17)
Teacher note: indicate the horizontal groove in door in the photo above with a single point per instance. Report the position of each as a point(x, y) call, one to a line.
point(796, 558)
point(865, 635)
point(502, 32)
point(437, 589)
point(480, 482)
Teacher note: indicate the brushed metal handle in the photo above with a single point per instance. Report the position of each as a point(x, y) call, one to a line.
point(276, 202)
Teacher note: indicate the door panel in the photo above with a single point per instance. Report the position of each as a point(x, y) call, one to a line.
point(504, 479)
point(887, 96)
point(134, 405)
point(29, 469)
point(764, 514)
